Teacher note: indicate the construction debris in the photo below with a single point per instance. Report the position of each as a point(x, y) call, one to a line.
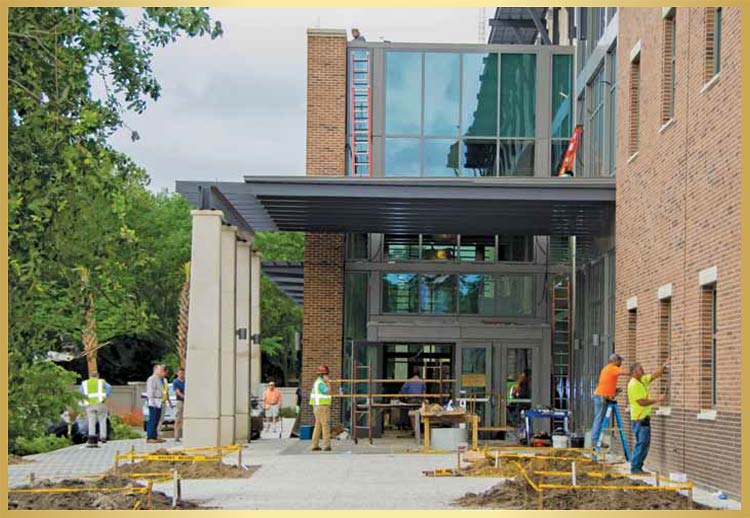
point(104, 495)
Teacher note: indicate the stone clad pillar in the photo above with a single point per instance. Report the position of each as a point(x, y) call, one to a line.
point(242, 358)
point(228, 334)
point(202, 404)
point(255, 320)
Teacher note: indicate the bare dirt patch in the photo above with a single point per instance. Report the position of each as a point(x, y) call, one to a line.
point(89, 500)
point(517, 493)
point(186, 469)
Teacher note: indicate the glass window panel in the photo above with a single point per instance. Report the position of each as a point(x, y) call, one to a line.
point(474, 361)
point(558, 153)
point(437, 294)
point(400, 293)
point(402, 157)
point(476, 294)
point(439, 247)
point(440, 157)
point(401, 247)
point(515, 295)
point(403, 93)
point(478, 157)
point(562, 100)
point(441, 83)
point(596, 125)
point(477, 249)
point(517, 95)
point(516, 158)
point(518, 367)
point(356, 246)
point(479, 103)
point(515, 248)
point(355, 306)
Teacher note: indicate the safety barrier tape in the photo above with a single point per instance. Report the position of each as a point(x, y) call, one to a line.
point(526, 476)
point(624, 488)
point(133, 490)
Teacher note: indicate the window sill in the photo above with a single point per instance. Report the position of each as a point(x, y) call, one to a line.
point(666, 125)
point(706, 415)
point(711, 83)
point(633, 157)
point(664, 410)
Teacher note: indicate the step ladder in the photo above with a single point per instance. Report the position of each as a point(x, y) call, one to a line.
point(613, 409)
point(361, 113)
point(359, 407)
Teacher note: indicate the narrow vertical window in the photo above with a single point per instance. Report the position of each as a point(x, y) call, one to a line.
point(668, 66)
point(712, 62)
point(630, 345)
point(665, 344)
point(634, 136)
point(708, 324)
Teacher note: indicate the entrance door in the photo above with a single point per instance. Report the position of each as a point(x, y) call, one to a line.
point(521, 382)
point(474, 378)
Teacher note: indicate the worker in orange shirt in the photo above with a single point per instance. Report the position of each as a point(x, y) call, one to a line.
point(605, 393)
point(271, 404)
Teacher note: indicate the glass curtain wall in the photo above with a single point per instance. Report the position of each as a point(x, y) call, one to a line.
point(444, 117)
point(562, 108)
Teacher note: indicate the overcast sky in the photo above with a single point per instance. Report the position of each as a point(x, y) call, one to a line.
point(236, 105)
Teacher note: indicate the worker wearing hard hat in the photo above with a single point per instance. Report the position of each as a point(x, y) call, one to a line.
point(96, 390)
point(320, 400)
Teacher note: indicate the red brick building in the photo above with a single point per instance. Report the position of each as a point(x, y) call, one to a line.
point(678, 229)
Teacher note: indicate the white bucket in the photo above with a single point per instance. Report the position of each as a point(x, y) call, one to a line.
point(560, 441)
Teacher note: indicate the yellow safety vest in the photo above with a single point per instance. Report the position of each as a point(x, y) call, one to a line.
point(93, 389)
point(319, 395)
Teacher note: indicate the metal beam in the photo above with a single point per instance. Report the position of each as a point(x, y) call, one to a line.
point(520, 23)
point(539, 27)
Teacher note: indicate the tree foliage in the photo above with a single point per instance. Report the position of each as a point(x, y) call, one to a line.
point(280, 316)
point(76, 203)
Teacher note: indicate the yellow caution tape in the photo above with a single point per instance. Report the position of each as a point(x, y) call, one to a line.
point(608, 487)
point(526, 476)
point(171, 458)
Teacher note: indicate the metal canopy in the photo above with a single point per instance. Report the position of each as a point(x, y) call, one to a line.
point(289, 276)
point(583, 207)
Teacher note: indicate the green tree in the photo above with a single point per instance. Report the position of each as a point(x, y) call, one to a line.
point(280, 316)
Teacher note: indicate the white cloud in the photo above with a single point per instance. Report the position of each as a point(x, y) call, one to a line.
point(236, 105)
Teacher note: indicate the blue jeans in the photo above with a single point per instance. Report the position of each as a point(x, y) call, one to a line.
point(153, 422)
point(600, 410)
point(642, 432)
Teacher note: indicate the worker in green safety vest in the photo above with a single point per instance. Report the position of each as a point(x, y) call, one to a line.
point(95, 392)
point(320, 400)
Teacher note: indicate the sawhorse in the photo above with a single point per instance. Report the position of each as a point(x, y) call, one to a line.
point(612, 408)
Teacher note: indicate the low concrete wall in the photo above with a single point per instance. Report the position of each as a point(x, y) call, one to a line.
point(126, 398)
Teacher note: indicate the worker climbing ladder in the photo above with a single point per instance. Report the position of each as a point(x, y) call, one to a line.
point(361, 113)
point(613, 409)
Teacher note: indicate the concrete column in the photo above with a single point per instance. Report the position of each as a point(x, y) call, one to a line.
point(242, 359)
point(228, 334)
point(255, 320)
point(202, 364)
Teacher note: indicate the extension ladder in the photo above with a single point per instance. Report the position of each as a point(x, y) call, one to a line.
point(361, 114)
point(613, 409)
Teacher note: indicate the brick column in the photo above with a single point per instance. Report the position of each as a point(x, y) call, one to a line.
point(324, 264)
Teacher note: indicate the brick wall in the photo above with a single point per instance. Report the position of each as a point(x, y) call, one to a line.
point(324, 257)
point(678, 212)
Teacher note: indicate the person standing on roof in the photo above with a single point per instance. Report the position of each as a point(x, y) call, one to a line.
point(356, 36)
point(641, 406)
point(320, 400)
point(605, 393)
point(96, 390)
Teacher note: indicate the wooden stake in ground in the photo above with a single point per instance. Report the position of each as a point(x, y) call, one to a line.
point(182, 318)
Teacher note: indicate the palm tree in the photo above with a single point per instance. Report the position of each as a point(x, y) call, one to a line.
point(89, 338)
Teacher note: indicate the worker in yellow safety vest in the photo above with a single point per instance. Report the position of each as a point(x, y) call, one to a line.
point(320, 400)
point(96, 390)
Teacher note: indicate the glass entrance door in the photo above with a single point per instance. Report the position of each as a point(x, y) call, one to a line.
point(520, 384)
point(474, 380)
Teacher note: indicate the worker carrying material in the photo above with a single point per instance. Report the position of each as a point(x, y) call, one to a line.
point(320, 400)
point(96, 390)
point(641, 406)
point(605, 392)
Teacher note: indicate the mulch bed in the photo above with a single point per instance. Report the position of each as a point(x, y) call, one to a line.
point(88, 500)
